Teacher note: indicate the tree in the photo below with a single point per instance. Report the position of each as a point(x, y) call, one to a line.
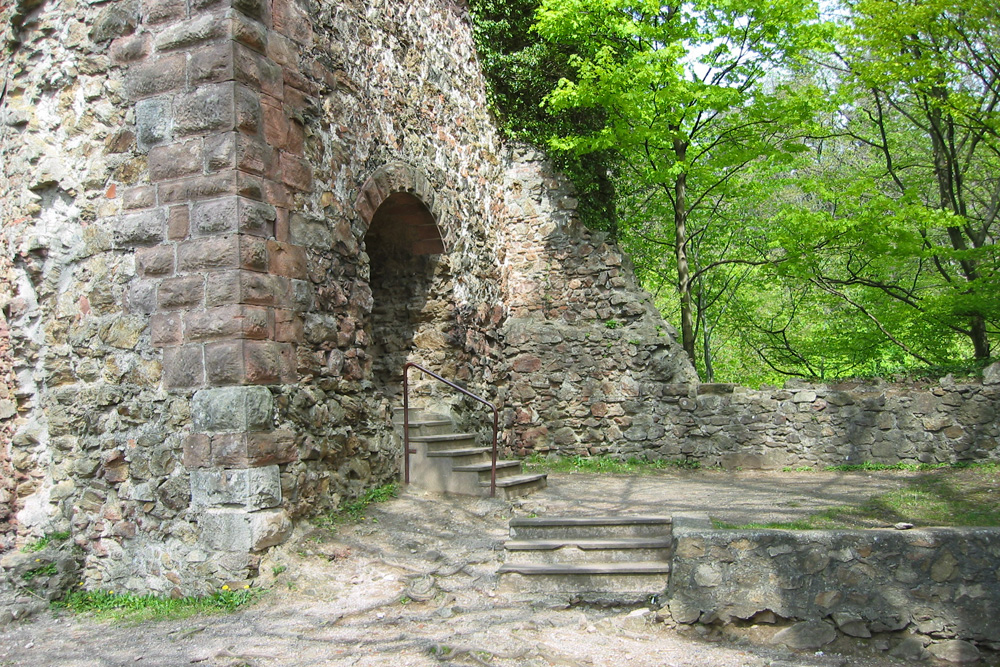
point(521, 68)
point(688, 98)
point(927, 73)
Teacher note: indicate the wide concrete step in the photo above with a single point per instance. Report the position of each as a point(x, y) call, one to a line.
point(518, 485)
point(445, 441)
point(429, 427)
point(588, 550)
point(610, 568)
point(600, 583)
point(459, 453)
point(544, 528)
point(504, 469)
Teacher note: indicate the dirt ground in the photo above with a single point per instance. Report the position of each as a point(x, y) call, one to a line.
point(415, 585)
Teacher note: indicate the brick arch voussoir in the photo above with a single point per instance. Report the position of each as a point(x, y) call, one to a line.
point(395, 177)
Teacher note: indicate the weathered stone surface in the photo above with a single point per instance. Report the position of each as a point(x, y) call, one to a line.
point(851, 624)
point(955, 651)
point(249, 489)
point(240, 531)
point(806, 635)
point(233, 409)
point(910, 649)
point(865, 581)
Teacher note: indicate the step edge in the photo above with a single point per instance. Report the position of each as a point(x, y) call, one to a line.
point(589, 544)
point(517, 479)
point(614, 568)
point(592, 521)
point(444, 437)
point(457, 452)
point(484, 467)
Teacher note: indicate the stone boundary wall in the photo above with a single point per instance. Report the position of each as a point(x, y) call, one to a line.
point(584, 345)
point(939, 582)
point(799, 425)
point(820, 425)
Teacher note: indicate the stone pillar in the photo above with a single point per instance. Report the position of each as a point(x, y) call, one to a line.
point(218, 101)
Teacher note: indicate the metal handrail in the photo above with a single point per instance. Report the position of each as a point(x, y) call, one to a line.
point(406, 421)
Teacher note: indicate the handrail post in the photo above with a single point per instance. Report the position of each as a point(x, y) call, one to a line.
point(406, 421)
point(406, 426)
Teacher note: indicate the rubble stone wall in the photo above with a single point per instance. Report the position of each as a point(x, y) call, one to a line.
point(848, 423)
point(940, 582)
point(194, 326)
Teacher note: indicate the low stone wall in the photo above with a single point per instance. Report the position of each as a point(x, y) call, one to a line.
point(939, 582)
point(837, 424)
point(801, 424)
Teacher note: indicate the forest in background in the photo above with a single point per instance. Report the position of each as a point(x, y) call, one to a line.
point(809, 190)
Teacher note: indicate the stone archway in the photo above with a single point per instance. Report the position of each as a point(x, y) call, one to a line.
point(409, 273)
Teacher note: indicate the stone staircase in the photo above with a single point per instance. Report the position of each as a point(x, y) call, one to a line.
point(606, 560)
point(442, 460)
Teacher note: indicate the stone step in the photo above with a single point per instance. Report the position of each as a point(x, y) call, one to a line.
point(504, 469)
point(612, 568)
point(464, 456)
point(445, 441)
point(418, 414)
point(445, 461)
point(518, 485)
point(553, 528)
point(588, 550)
point(601, 583)
point(428, 427)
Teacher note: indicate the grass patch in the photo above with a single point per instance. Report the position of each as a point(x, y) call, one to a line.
point(944, 495)
point(354, 511)
point(43, 571)
point(871, 466)
point(105, 605)
point(604, 464)
point(42, 542)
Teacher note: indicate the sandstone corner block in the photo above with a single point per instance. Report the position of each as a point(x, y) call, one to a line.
point(233, 409)
point(248, 489)
point(237, 530)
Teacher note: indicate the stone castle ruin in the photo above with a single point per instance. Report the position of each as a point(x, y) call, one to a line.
point(227, 224)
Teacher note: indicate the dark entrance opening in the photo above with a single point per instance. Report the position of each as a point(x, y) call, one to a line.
point(411, 289)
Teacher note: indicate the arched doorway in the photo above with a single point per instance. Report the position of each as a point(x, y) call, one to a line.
point(409, 276)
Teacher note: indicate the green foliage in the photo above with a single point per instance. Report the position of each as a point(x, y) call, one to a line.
point(41, 571)
point(806, 198)
point(606, 464)
point(106, 605)
point(521, 68)
point(41, 543)
point(354, 511)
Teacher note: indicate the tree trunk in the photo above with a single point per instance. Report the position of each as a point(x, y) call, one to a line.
point(683, 271)
point(950, 195)
point(706, 337)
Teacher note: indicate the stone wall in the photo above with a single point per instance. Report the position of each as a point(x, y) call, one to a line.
point(848, 423)
point(731, 426)
point(226, 224)
point(938, 582)
point(203, 348)
point(589, 355)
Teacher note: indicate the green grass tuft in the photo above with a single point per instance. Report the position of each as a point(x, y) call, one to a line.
point(42, 542)
point(354, 511)
point(605, 464)
point(106, 605)
point(43, 571)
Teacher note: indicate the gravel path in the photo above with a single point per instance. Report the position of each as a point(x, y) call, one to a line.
point(415, 585)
